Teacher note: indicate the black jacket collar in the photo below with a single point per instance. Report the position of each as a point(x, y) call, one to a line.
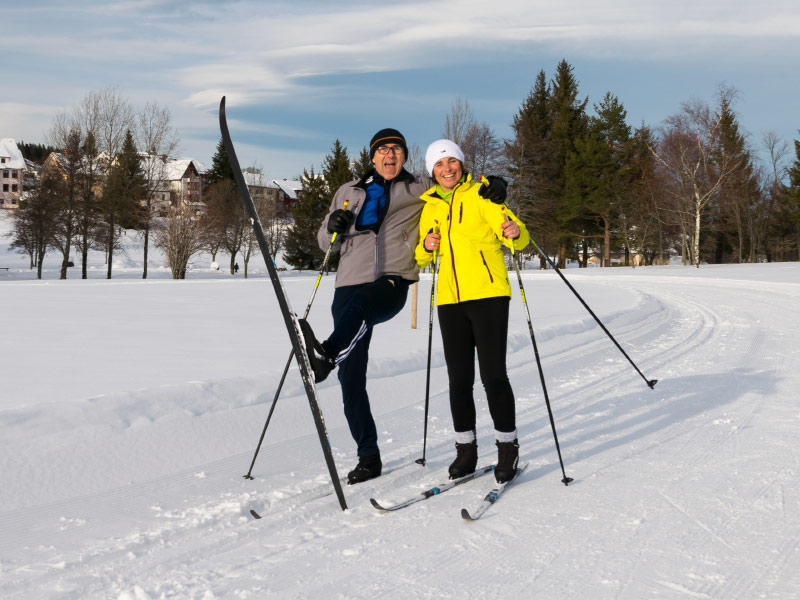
point(371, 175)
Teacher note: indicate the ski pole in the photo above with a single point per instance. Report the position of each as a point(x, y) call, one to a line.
point(421, 461)
point(291, 354)
point(566, 480)
point(650, 382)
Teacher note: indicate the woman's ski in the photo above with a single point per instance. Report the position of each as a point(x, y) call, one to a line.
point(490, 498)
point(434, 491)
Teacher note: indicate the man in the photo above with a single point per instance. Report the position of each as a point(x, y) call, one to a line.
point(376, 237)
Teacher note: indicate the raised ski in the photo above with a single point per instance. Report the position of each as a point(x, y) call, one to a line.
point(290, 319)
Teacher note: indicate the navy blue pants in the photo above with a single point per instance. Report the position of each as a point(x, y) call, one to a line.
point(480, 325)
point(356, 309)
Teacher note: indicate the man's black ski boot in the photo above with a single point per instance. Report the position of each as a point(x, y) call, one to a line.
point(507, 458)
point(466, 460)
point(368, 467)
point(320, 362)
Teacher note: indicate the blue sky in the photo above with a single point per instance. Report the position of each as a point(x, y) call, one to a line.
point(298, 75)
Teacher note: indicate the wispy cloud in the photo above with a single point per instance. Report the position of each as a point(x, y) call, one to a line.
point(289, 54)
point(261, 49)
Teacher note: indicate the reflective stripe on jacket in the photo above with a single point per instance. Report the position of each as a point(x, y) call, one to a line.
point(471, 262)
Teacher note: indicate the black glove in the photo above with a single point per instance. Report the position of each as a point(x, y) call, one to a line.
point(495, 191)
point(340, 220)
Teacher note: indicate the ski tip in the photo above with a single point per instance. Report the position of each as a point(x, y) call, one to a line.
point(255, 514)
point(465, 515)
point(376, 504)
point(223, 124)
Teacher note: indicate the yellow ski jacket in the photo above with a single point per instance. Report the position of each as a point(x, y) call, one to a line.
point(471, 263)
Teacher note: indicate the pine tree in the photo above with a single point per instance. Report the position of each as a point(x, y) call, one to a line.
point(741, 214)
point(363, 164)
point(546, 128)
point(36, 221)
point(220, 165)
point(582, 210)
point(300, 249)
point(36, 153)
point(530, 164)
point(594, 175)
point(122, 195)
point(790, 198)
point(336, 169)
point(794, 179)
point(568, 125)
point(88, 204)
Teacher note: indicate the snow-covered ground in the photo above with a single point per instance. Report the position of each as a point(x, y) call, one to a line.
point(130, 411)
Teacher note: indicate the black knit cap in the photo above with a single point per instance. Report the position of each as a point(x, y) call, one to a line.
point(387, 136)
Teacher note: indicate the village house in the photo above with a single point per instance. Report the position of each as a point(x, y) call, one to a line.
point(12, 174)
point(282, 194)
point(181, 182)
point(59, 161)
point(290, 189)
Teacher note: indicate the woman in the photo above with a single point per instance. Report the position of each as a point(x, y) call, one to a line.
point(473, 295)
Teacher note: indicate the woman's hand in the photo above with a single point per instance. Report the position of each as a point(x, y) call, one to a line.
point(432, 241)
point(510, 230)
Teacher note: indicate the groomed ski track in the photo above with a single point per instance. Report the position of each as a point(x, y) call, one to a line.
point(688, 490)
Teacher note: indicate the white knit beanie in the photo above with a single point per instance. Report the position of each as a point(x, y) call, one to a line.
point(442, 149)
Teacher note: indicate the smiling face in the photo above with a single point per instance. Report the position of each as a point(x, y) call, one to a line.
point(447, 172)
point(388, 165)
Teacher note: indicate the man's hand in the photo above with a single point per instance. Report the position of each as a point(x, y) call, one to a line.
point(340, 220)
point(494, 190)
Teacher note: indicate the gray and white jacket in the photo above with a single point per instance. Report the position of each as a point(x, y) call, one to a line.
point(367, 255)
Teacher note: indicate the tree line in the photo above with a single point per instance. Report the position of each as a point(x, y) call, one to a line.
point(588, 184)
point(97, 184)
point(109, 168)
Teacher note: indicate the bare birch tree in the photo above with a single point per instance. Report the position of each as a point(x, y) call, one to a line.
point(691, 153)
point(415, 161)
point(778, 151)
point(459, 122)
point(102, 117)
point(68, 204)
point(482, 150)
point(180, 237)
point(158, 140)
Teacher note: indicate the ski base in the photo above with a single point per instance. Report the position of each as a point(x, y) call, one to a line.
point(434, 491)
point(490, 498)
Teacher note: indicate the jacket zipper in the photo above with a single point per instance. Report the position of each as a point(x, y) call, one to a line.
point(376, 256)
point(450, 243)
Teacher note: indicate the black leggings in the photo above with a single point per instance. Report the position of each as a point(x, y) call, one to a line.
point(482, 325)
